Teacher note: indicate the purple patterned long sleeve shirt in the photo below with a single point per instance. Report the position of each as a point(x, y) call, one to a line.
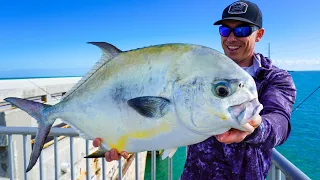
point(251, 158)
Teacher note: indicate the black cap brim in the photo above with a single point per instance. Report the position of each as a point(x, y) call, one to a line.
point(237, 19)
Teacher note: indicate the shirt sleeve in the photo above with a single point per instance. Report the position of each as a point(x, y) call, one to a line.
point(277, 97)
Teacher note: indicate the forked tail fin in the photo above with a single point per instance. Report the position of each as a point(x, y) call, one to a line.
point(40, 112)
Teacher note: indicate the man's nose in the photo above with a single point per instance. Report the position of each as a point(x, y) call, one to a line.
point(231, 37)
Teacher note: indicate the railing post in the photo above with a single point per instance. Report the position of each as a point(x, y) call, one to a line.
point(11, 157)
point(153, 165)
point(56, 175)
point(137, 165)
point(120, 169)
point(278, 174)
point(103, 168)
point(25, 156)
point(71, 158)
point(170, 168)
point(40, 166)
point(87, 161)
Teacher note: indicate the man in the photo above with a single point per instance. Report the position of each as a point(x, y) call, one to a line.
point(236, 154)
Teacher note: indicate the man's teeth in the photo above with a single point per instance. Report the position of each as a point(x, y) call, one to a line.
point(233, 47)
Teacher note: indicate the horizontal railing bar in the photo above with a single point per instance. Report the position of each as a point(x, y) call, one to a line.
point(33, 131)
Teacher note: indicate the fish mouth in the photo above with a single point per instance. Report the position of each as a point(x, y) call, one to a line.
point(246, 111)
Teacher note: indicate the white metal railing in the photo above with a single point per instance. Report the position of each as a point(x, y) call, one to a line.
point(281, 167)
point(56, 132)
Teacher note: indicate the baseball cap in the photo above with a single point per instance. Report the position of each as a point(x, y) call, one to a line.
point(245, 11)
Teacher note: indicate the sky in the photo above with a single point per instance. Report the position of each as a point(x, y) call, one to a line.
point(53, 35)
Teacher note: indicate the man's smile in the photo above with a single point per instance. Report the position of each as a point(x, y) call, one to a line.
point(233, 48)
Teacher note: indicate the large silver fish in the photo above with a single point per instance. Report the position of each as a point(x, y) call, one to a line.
point(152, 98)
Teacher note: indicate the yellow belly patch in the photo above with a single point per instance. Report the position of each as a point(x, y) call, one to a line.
point(120, 144)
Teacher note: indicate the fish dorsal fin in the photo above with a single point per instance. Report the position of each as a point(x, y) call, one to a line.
point(109, 51)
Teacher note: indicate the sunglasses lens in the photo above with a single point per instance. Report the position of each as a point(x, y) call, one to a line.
point(243, 31)
point(224, 31)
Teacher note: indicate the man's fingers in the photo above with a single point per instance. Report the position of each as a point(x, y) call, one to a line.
point(249, 128)
point(221, 137)
point(256, 121)
point(107, 156)
point(234, 136)
point(96, 142)
point(114, 154)
point(124, 154)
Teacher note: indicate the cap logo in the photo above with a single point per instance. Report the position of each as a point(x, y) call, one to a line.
point(238, 8)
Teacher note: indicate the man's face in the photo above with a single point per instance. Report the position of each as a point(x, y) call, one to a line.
point(240, 49)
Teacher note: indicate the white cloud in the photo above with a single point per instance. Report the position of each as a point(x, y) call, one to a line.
point(298, 65)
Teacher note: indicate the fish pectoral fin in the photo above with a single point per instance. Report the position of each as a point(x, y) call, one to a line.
point(168, 153)
point(150, 106)
point(98, 153)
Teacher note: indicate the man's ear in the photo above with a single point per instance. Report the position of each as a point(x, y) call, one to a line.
point(259, 34)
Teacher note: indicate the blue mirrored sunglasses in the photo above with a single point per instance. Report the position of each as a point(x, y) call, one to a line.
point(240, 31)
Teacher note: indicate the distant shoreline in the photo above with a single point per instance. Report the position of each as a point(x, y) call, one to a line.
point(37, 77)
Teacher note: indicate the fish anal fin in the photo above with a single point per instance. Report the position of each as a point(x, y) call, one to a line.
point(98, 153)
point(168, 153)
point(150, 106)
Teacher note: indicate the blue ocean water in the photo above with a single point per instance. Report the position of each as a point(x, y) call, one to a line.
point(303, 146)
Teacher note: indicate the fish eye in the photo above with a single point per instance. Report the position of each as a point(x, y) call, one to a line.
point(221, 89)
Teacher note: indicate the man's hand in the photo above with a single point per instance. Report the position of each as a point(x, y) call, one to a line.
point(235, 135)
point(112, 154)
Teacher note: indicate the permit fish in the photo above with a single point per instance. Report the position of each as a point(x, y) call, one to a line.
point(158, 97)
